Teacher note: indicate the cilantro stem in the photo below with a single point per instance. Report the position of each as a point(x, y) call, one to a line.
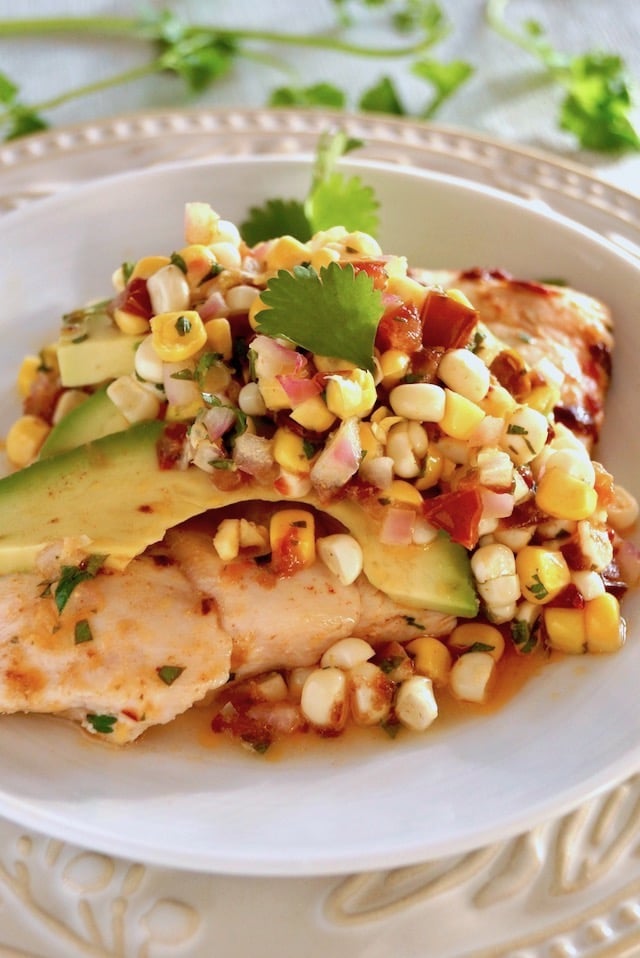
point(495, 14)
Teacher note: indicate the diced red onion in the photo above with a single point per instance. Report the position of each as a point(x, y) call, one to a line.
point(488, 432)
point(397, 526)
point(217, 420)
point(274, 359)
point(253, 455)
point(298, 389)
point(179, 392)
point(496, 505)
point(340, 458)
point(378, 471)
point(214, 306)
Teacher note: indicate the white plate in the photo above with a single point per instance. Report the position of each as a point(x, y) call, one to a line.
point(574, 730)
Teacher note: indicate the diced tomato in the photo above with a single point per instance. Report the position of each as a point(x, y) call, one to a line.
point(446, 322)
point(457, 513)
point(171, 444)
point(374, 268)
point(400, 328)
point(569, 598)
point(135, 299)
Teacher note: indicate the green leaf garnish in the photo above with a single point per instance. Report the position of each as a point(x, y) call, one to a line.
point(72, 575)
point(333, 313)
point(102, 723)
point(318, 94)
point(342, 200)
point(445, 78)
point(169, 673)
point(382, 98)
point(276, 218)
point(82, 632)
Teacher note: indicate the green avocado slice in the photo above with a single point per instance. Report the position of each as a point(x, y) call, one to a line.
point(113, 492)
point(95, 418)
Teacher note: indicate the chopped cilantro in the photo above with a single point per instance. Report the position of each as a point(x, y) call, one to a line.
point(82, 632)
point(127, 269)
point(333, 313)
point(71, 576)
point(480, 647)
point(409, 619)
point(382, 98)
point(183, 326)
point(276, 218)
point(538, 588)
point(523, 636)
point(102, 723)
point(345, 200)
point(178, 261)
point(390, 663)
point(169, 673)
point(318, 94)
point(391, 727)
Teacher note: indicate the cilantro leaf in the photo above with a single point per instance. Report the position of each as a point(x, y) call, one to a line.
point(276, 218)
point(169, 673)
point(72, 575)
point(102, 723)
point(319, 94)
point(445, 78)
point(382, 98)
point(345, 201)
point(333, 313)
point(21, 119)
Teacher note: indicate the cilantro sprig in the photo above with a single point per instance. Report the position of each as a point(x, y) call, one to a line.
point(333, 197)
point(598, 96)
point(333, 313)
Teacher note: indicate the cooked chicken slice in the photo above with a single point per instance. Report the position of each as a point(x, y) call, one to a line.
point(279, 622)
point(131, 649)
point(571, 329)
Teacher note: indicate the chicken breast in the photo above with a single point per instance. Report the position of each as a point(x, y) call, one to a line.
point(128, 651)
point(568, 328)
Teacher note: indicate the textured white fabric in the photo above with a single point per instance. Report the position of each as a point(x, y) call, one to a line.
point(506, 98)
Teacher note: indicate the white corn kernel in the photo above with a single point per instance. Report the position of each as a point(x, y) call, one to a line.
point(342, 555)
point(492, 562)
point(147, 363)
point(227, 255)
point(240, 299)
point(227, 232)
point(495, 468)
point(572, 462)
point(424, 402)
point(407, 444)
point(169, 290)
point(226, 541)
point(595, 545)
point(324, 699)
point(589, 584)
point(525, 435)
point(135, 402)
point(471, 676)
point(347, 653)
point(271, 687)
point(296, 679)
point(623, 511)
point(514, 538)
point(465, 373)
point(415, 706)
point(250, 400)
point(362, 243)
point(370, 694)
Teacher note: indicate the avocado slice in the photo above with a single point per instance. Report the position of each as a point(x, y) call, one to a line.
point(112, 491)
point(94, 350)
point(96, 417)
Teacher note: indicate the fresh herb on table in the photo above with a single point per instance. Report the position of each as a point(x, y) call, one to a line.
point(201, 54)
point(597, 91)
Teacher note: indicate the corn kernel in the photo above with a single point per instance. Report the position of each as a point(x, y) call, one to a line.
point(498, 402)
point(472, 676)
point(604, 626)
point(323, 256)
point(543, 574)
point(415, 705)
point(394, 365)
point(168, 290)
point(256, 307)
point(623, 511)
point(285, 253)
point(27, 373)
point(347, 653)
point(565, 630)
point(405, 493)
point(478, 636)
point(180, 413)
point(525, 434)
point(313, 414)
point(332, 364)
point(465, 373)
point(219, 336)
point(273, 393)
point(342, 555)
point(431, 469)
point(135, 402)
point(24, 439)
point(407, 289)
point(424, 402)
point(293, 531)
point(289, 452)
point(130, 323)
point(461, 416)
point(200, 223)
point(200, 263)
point(324, 699)
point(178, 336)
point(147, 266)
point(544, 398)
point(370, 694)
point(565, 496)
point(353, 394)
point(431, 658)
point(226, 541)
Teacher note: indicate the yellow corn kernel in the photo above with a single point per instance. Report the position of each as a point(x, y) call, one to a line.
point(323, 256)
point(369, 444)
point(185, 411)
point(604, 625)
point(256, 307)
point(49, 357)
point(293, 531)
point(219, 336)
point(199, 262)
point(273, 393)
point(432, 469)
point(313, 414)
point(498, 402)
point(543, 574)
point(404, 492)
point(394, 365)
point(147, 266)
point(543, 398)
point(485, 637)
point(130, 323)
point(27, 373)
point(461, 416)
point(431, 658)
point(285, 253)
point(459, 297)
point(24, 439)
point(407, 289)
point(289, 452)
point(362, 243)
point(332, 364)
point(178, 336)
point(226, 541)
point(565, 630)
point(564, 496)
point(350, 395)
